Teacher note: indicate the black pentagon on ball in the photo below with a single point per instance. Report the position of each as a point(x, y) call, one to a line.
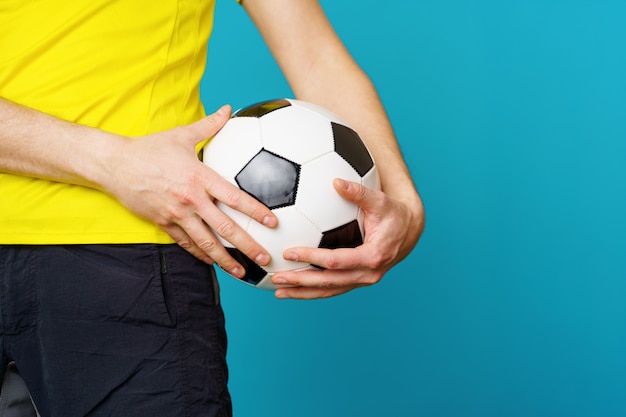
point(346, 236)
point(350, 147)
point(254, 273)
point(271, 179)
point(262, 108)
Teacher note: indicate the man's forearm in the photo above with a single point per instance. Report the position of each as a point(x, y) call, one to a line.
point(38, 145)
point(319, 69)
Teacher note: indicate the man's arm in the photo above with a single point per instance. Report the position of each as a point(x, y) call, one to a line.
point(319, 69)
point(158, 177)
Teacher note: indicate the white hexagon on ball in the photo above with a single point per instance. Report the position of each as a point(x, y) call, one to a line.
point(241, 134)
point(319, 200)
point(306, 137)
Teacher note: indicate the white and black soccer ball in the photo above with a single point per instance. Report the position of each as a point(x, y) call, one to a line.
point(286, 153)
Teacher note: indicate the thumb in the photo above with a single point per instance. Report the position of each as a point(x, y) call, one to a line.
point(208, 126)
point(356, 193)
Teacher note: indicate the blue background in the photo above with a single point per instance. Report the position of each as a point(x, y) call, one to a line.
point(511, 115)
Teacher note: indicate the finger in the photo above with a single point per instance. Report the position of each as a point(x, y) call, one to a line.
point(200, 236)
point(310, 285)
point(342, 258)
point(184, 241)
point(239, 200)
point(331, 281)
point(310, 293)
point(366, 198)
point(207, 126)
point(232, 232)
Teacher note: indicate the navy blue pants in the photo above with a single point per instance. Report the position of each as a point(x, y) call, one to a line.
point(114, 330)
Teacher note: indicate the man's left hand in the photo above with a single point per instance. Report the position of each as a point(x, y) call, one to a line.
point(392, 229)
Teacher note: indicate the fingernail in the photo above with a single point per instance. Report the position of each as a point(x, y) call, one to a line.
point(237, 272)
point(291, 256)
point(262, 259)
point(281, 294)
point(343, 184)
point(222, 110)
point(279, 280)
point(269, 221)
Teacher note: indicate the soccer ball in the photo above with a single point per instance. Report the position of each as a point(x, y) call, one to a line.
point(286, 153)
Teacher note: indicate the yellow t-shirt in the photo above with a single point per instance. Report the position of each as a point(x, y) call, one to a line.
point(127, 67)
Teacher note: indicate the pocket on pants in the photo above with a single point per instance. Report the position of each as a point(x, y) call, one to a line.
point(117, 283)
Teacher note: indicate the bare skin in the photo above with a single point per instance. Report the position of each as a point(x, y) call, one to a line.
point(320, 70)
point(160, 178)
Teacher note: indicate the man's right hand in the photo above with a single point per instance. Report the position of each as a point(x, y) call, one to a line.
point(160, 178)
